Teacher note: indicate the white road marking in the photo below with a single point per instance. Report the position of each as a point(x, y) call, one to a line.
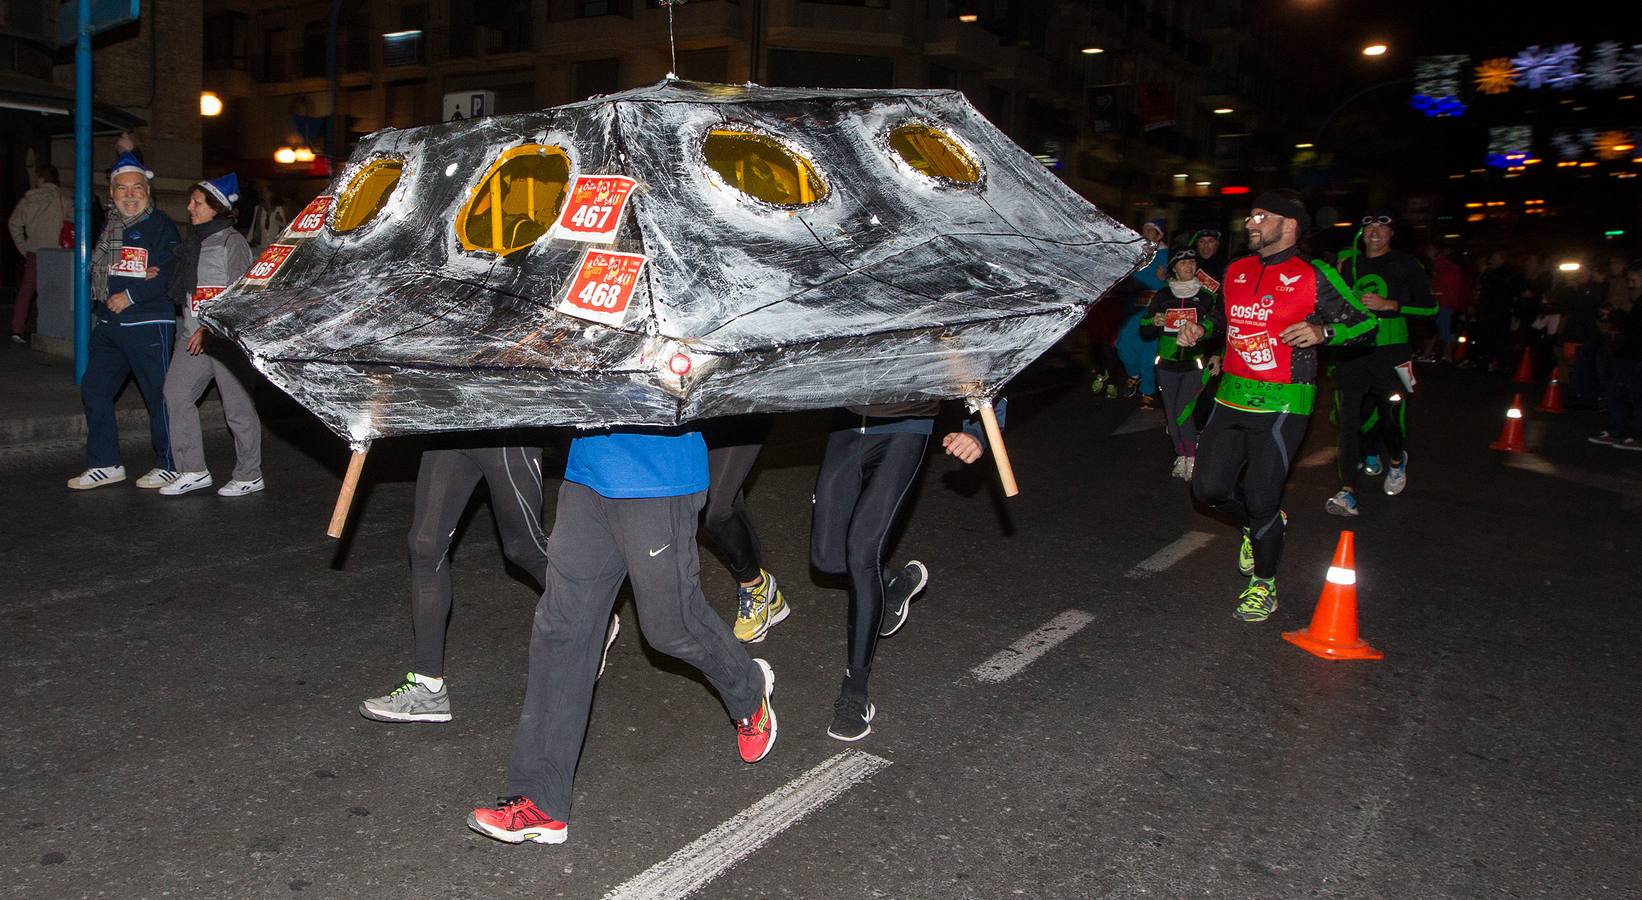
point(1007, 663)
point(1141, 420)
point(1177, 550)
point(707, 857)
point(1626, 487)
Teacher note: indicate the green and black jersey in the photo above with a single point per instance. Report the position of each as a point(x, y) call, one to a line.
point(1395, 276)
point(1161, 322)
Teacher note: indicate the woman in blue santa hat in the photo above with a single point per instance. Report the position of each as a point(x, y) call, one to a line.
point(213, 257)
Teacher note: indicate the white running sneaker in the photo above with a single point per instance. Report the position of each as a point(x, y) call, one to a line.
point(1396, 476)
point(156, 478)
point(237, 488)
point(1187, 470)
point(1179, 469)
point(185, 482)
point(97, 477)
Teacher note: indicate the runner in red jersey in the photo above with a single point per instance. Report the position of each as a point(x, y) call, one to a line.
point(1279, 307)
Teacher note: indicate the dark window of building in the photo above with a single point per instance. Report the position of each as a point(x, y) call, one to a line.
point(355, 39)
point(510, 25)
point(227, 41)
point(464, 29)
point(314, 35)
point(273, 55)
point(595, 76)
point(404, 46)
point(803, 68)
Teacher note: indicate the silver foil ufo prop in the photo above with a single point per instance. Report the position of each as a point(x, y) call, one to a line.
point(669, 253)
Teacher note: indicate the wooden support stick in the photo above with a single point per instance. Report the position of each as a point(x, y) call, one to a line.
point(994, 436)
point(344, 500)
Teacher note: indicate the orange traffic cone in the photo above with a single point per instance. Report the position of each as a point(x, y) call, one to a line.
point(1510, 437)
point(1333, 631)
point(1525, 369)
point(1552, 401)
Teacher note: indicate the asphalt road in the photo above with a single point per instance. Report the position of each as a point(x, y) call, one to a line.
point(181, 677)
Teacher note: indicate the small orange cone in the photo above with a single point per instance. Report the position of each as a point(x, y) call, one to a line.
point(1510, 436)
point(1333, 631)
point(1552, 401)
point(1525, 369)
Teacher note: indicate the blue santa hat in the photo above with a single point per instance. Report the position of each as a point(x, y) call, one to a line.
point(128, 162)
point(225, 189)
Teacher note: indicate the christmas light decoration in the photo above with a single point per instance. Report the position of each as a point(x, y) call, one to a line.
point(1496, 76)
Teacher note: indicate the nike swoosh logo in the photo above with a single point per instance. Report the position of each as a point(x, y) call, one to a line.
point(659, 549)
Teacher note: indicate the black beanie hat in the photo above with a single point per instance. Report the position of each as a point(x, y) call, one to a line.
point(1284, 203)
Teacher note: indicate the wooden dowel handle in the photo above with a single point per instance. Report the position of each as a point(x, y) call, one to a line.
point(344, 500)
point(994, 436)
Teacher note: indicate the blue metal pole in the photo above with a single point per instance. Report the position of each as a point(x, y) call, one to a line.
point(82, 191)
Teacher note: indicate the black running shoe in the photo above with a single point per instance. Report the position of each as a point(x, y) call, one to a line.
point(851, 717)
point(898, 596)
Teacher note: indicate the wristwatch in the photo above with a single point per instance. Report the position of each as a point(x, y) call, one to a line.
point(1328, 333)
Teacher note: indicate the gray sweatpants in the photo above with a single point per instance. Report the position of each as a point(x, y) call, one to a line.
point(1179, 389)
point(186, 382)
point(597, 543)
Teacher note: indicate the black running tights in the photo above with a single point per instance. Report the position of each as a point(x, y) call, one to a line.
point(863, 483)
point(1265, 443)
point(444, 484)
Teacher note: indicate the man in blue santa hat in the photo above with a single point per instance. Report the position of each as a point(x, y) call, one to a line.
point(134, 327)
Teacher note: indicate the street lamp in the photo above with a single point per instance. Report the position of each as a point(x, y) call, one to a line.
point(1375, 49)
point(210, 104)
point(1224, 111)
point(1091, 51)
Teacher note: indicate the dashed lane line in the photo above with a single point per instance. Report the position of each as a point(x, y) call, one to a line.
point(1009, 662)
point(1176, 550)
point(712, 854)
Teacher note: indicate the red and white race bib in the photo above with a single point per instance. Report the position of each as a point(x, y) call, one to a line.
point(1255, 349)
point(593, 208)
point(131, 263)
point(312, 218)
point(1207, 281)
point(200, 295)
point(603, 286)
point(1173, 317)
point(268, 264)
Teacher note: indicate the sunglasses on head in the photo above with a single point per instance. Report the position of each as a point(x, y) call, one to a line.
point(1376, 220)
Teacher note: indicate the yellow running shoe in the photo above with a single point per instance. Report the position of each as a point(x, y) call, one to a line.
point(759, 608)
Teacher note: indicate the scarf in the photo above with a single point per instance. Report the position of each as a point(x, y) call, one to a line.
point(107, 247)
point(185, 277)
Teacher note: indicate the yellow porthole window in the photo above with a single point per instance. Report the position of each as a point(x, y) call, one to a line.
point(933, 153)
point(517, 200)
point(762, 167)
point(366, 194)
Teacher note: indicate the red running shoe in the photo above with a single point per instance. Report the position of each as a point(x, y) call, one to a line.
point(516, 820)
point(755, 736)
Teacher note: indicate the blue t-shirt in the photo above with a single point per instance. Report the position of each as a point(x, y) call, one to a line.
point(625, 465)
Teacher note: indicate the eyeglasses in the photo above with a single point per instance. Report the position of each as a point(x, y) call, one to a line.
point(1376, 220)
point(1257, 218)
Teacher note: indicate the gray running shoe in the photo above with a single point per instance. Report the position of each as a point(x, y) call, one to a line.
point(409, 702)
point(898, 595)
point(1396, 476)
point(851, 717)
